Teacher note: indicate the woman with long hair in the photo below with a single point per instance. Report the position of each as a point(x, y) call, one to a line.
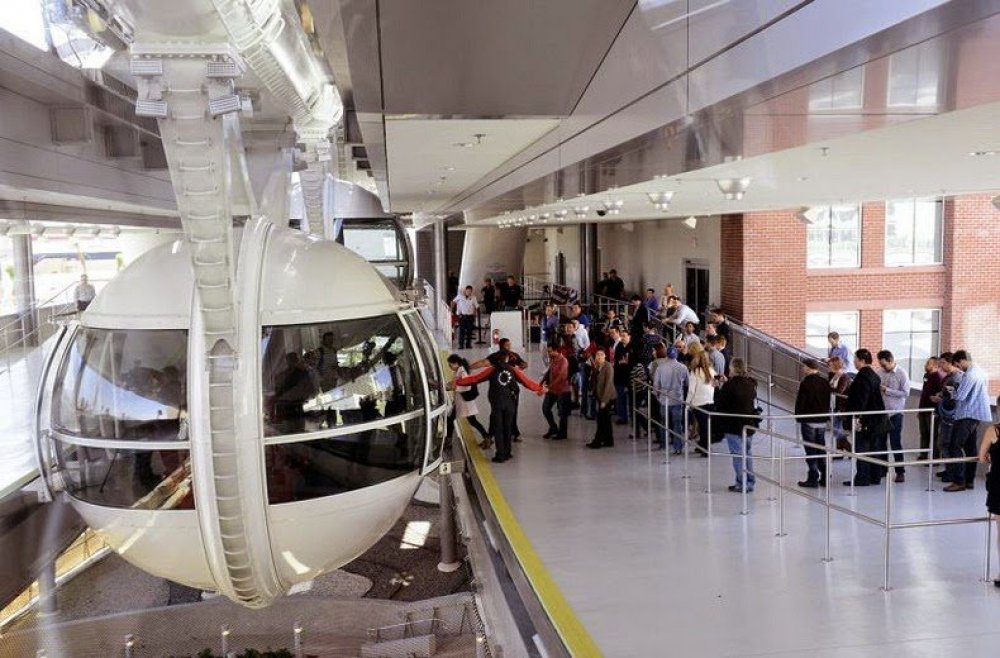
point(701, 394)
point(465, 402)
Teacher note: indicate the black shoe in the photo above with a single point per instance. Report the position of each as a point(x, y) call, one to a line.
point(559, 437)
point(822, 482)
point(735, 488)
point(594, 445)
point(996, 583)
point(857, 483)
point(809, 484)
point(551, 434)
point(498, 460)
point(900, 477)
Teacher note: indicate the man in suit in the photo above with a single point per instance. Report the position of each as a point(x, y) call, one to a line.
point(865, 394)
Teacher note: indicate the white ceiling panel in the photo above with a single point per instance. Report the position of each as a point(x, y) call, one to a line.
point(432, 160)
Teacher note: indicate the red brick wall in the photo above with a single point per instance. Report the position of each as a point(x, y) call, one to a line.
point(766, 283)
point(731, 276)
point(972, 315)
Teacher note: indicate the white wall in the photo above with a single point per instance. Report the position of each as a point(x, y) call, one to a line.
point(491, 252)
point(543, 247)
point(650, 254)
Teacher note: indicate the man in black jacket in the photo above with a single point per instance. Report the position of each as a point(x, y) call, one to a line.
point(865, 394)
point(813, 398)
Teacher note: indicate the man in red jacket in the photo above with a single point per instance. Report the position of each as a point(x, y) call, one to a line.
point(557, 379)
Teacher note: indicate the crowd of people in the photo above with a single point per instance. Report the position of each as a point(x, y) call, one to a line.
point(594, 364)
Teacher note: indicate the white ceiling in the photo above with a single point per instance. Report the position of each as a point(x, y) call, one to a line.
point(427, 167)
point(926, 157)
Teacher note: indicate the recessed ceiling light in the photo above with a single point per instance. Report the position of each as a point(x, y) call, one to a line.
point(802, 179)
point(464, 145)
point(448, 168)
point(980, 154)
point(691, 222)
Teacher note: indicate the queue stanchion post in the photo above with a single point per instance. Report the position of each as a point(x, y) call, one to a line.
point(827, 557)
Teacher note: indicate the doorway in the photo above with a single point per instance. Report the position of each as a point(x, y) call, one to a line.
point(696, 276)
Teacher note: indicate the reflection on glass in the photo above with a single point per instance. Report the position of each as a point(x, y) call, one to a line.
point(834, 237)
point(912, 335)
point(326, 375)
point(123, 385)
point(325, 467)
point(136, 479)
point(913, 232)
point(431, 359)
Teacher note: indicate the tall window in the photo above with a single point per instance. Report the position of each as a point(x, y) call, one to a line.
point(844, 91)
point(819, 326)
point(914, 76)
point(913, 232)
point(834, 237)
point(912, 335)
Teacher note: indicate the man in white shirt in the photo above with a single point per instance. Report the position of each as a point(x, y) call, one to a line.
point(582, 337)
point(84, 294)
point(682, 313)
point(465, 306)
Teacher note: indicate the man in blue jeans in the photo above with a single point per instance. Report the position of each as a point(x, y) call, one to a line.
point(669, 380)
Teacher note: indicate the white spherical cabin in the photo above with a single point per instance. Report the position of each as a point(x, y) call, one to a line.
point(340, 410)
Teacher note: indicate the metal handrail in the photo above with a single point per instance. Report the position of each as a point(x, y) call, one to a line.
point(828, 453)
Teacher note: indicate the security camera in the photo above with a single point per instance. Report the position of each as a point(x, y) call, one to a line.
point(601, 213)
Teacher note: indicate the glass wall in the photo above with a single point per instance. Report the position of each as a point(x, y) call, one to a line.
point(912, 335)
point(834, 237)
point(116, 477)
point(322, 376)
point(123, 385)
point(337, 464)
point(819, 326)
point(913, 232)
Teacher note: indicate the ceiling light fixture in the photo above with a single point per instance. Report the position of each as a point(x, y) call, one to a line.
point(561, 214)
point(691, 222)
point(980, 154)
point(463, 145)
point(733, 189)
point(581, 211)
point(614, 206)
point(660, 200)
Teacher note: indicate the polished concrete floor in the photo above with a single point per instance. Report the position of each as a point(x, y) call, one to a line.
point(655, 566)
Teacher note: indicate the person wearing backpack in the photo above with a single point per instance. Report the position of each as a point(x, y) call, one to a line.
point(504, 380)
point(465, 401)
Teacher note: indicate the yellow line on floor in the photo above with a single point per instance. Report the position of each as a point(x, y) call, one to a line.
point(560, 612)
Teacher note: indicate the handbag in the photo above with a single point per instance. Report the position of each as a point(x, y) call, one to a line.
point(471, 394)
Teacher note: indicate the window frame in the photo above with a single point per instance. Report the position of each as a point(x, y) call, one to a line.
point(856, 333)
point(935, 334)
point(828, 264)
point(939, 238)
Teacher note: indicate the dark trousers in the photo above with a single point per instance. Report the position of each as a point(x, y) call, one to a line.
point(604, 435)
point(502, 425)
point(896, 440)
point(702, 419)
point(817, 464)
point(963, 439)
point(473, 421)
point(622, 402)
point(926, 439)
point(466, 327)
point(867, 440)
point(561, 402)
